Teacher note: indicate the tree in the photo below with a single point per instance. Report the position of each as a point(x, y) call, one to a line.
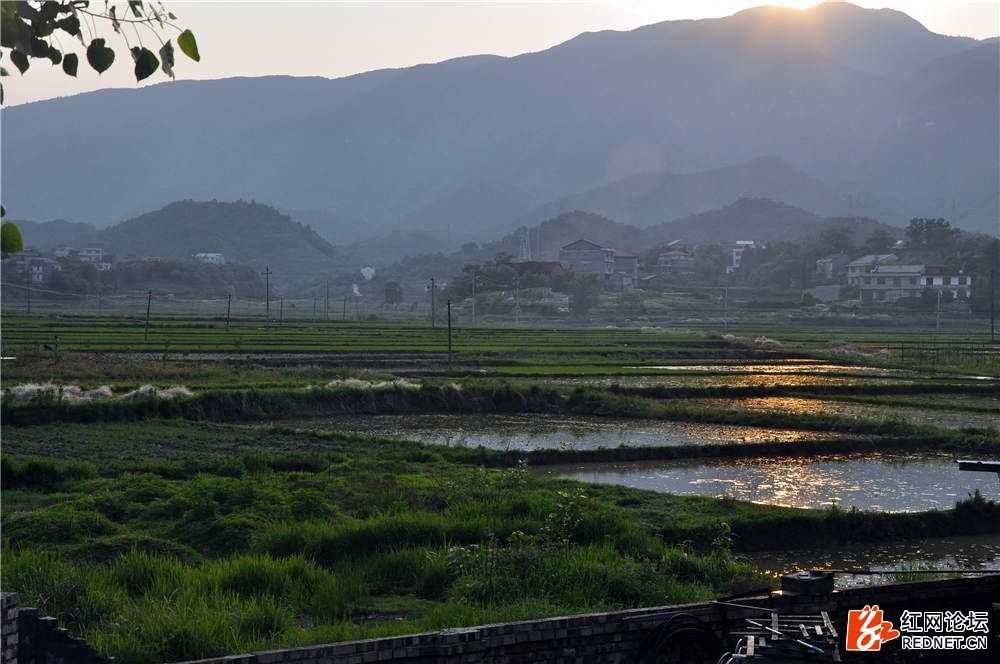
point(10, 238)
point(935, 234)
point(879, 241)
point(584, 293)
point(393, 293)
point(837, 240)
point(29, 31)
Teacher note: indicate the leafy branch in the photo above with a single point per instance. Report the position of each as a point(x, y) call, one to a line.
point(27, 31)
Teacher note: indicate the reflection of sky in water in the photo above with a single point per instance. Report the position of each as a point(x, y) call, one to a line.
point(528, 432)
point(970, 552)
point(893, 483)
point(791, 367)
point(800, 406)
point(731, 380)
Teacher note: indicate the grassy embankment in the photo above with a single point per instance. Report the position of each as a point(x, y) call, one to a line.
point(209, 539)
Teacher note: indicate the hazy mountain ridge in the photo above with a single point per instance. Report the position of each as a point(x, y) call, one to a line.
point(246, 233)
point(683, 97)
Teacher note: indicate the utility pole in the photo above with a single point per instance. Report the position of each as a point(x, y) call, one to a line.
point(149, 303)
point(473, 298)
point(326, 305)
point(314, 308)
point(267, 292)
point(100, 301)
point(725, 307)
point(993, 306)
point(281, 310)
point(937, 325)
point(449, 335)
point(229, 307)
point(433, 313)
point(517, 300)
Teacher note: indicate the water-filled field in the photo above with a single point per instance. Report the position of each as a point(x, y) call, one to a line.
point(891, 483)
point(965, 552)
point(535, 432)
point(941, 417)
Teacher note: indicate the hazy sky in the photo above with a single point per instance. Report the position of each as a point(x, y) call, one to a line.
point(327, 38)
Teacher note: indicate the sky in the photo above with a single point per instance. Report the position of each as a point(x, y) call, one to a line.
point(332, 39)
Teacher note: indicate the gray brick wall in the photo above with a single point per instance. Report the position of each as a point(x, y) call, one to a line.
point(8, 629)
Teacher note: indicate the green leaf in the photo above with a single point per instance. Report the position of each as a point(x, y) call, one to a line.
point(99, 56)
point(136, 7)
point(70, 62)
point(55, 55)
point(167, 58)
point(39, 48)
point(70, 24)
point(188, 45)
point(115, 23)
point(26, 11)
point(20, 61)
point(42, 28)
point(171, 16)
point(146, 63)
point(49, 10)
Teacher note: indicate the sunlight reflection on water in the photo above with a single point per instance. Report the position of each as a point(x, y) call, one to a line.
point(532, 432)
point(893, 483)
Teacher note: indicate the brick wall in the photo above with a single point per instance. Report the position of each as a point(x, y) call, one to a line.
point(621, 636)
point(32, 639)
point(617, 637)
point(8, 627)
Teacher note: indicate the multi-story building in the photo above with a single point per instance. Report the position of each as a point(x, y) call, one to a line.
point(586, 257)
point(887, 284)
point(676, 262)
point(627, 264)
point(736, 254)
point(861, 266)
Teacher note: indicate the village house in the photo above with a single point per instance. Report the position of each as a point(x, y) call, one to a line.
point(39, 270)
point(210, 258)
point(585, 257)
point(833, 266)
point(887, 284)
point(627, 264)
point(736, 254)
point(676, 262)
point(861, 266)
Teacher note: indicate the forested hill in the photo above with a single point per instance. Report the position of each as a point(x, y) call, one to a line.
point(756, 219)
point(247, 233)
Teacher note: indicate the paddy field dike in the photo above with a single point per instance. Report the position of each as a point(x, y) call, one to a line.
point(193, 488)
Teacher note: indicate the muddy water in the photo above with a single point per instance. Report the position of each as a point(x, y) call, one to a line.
point(893, 483)
point(913, 415)
point(533, 432)
point(953, 553)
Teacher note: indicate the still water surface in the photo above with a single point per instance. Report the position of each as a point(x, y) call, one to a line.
point(887, 482)
point(967, 552)
point(534, 432)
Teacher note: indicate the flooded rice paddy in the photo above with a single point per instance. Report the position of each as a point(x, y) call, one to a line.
point(535, 432)
point(946, 553)
point(805, 406)
point(887, 482)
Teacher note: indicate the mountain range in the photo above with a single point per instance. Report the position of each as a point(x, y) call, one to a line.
point(843, 110)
